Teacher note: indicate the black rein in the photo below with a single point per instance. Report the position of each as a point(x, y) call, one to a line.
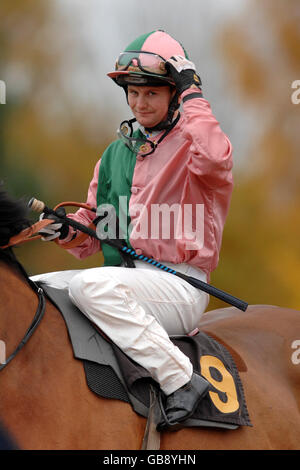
point(38, 314)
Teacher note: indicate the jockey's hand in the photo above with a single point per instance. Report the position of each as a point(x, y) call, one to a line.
point(55, 230)
point(183, 72)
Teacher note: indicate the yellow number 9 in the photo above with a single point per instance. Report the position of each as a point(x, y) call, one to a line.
point(226, 385)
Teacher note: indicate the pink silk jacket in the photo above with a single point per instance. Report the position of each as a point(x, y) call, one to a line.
point(188, 174)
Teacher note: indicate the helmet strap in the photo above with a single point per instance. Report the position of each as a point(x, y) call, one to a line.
point(168, 126)
point(167, 130)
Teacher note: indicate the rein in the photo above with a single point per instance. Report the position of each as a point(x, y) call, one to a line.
point(38, 314)
point(28, 234)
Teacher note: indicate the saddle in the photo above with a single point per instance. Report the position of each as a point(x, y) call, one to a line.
point(112, 374)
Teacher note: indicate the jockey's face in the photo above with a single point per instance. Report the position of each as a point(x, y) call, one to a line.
point(149, 104)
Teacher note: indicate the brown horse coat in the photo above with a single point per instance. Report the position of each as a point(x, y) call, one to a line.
point(46, 404)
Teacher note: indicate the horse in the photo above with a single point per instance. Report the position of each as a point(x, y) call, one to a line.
point(45, 403)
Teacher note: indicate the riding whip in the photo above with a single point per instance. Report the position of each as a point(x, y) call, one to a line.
point(39, 206)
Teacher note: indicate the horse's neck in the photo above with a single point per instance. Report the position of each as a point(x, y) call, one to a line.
point(17, 306)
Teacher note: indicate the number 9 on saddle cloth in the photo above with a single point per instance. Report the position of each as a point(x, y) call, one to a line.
point(112, 374)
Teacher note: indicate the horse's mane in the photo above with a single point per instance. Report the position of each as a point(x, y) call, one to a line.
point(13, 218)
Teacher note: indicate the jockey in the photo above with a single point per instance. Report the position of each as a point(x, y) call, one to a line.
point(177, 161)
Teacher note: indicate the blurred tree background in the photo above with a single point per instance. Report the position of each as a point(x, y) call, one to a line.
point(62, 111)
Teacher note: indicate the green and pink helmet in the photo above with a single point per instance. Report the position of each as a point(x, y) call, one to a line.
point(143, 61)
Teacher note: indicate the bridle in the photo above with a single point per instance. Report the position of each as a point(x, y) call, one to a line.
point(38, 314)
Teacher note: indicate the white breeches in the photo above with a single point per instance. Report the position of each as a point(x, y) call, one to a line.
point(138, 309)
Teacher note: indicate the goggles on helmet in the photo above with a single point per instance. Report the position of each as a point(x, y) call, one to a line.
point(140, 146)
point(135, 61)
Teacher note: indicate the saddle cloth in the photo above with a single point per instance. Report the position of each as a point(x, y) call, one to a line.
point(112, 374)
